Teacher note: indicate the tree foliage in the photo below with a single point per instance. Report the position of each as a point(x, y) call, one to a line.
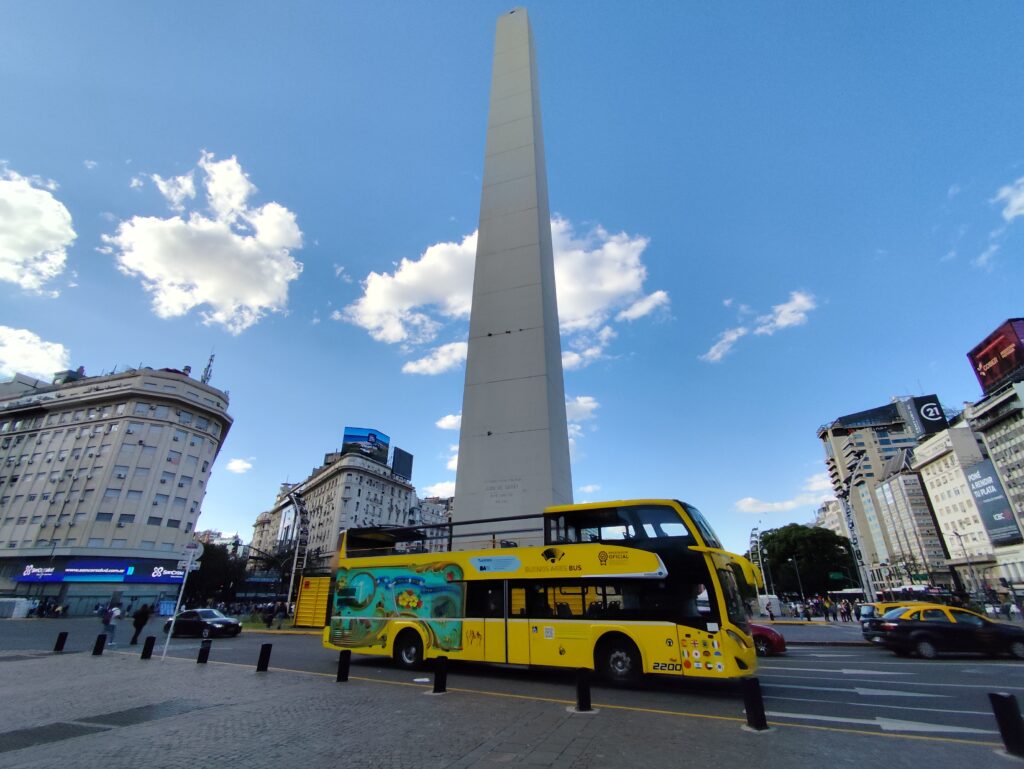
point(217, 578)
point(815, 551)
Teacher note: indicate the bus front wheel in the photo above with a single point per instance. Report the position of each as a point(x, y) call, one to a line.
point(618, 660)
point(409, 650)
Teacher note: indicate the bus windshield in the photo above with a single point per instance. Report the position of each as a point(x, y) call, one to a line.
point(619, 524)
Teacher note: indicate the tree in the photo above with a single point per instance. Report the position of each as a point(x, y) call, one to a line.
point(815, 551)
point(217, 578)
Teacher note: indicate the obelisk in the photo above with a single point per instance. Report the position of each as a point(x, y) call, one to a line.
point(514, 444)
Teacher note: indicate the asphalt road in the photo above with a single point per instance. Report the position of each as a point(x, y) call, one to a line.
point(843, 688)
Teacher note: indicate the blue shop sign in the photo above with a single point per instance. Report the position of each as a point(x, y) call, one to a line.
point(102, 571)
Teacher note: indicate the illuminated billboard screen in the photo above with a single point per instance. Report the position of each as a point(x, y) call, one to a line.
point(999, 356)
point(993, 506)
point(367, 441)
point(102, 571)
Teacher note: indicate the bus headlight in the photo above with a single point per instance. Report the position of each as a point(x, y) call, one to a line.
point(738, 638)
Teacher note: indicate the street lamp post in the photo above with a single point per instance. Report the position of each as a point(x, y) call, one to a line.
point(798, 582)
point(970, 563)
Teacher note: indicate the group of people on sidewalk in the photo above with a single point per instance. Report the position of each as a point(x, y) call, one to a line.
point(834, 611)
point(111, 616)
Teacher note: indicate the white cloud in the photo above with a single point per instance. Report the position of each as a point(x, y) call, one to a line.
point(786, 315)
point(588, 347)
point(453, 460)
point(984, 259)
point(449, 422)
point(89, 164)
point(440, 359)
point(442, 489)
point(35, 230)
point(581, 408)
point(791, 313)
point(726, 340)
point(591, 488)
point(22, 352)
point(235, 265)
point(816, 489)
point(176, 189)
point(137, 182)
point(239, 466)
point(644, 306)
point(599, 275)
point(339, 272)
point(1013, 196)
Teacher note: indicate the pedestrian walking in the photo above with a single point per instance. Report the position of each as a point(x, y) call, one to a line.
point(771, 614)
point(139, 620)
point(110, 619)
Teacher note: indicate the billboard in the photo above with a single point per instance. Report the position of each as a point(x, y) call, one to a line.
point(364, 440)
point(927, 415)
point(999, 356)
point(401, 464)
point(102, 571)
point(993, 506)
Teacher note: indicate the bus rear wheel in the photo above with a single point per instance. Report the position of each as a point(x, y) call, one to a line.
point(409, 650)
point(618, 660)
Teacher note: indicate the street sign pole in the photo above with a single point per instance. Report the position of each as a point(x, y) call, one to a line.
point(191, 553)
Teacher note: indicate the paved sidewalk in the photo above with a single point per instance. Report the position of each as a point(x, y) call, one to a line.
point(115, 711)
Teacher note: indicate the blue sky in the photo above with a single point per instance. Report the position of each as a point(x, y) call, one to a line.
point(766, 215)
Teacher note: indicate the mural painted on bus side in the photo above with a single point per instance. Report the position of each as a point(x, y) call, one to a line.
point(366, 598)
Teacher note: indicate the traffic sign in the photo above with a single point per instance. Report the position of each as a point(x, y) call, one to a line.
point(193, 550)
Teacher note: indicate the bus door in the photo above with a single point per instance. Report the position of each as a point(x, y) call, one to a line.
point(485, 640)
point(557, 634)
point(517, 627)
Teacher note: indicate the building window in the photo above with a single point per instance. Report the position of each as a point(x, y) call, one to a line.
point(173, 523)
point(104, 516)
point(118, 542)
point(148, 544)
point(96, 541)
point(126, 518)
point(154, 521)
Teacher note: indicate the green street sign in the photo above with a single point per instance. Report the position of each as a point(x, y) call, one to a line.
point(835, 575)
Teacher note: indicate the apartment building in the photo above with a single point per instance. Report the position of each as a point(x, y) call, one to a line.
point(102, 480)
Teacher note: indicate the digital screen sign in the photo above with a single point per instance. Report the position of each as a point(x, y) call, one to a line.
point(999, 356)
point(993, 506)
point(401, 464)
point(367, 441)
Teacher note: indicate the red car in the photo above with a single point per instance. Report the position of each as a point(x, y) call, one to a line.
point(767, 640)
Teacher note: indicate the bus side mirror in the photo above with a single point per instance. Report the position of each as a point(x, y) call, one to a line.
point(751, 573)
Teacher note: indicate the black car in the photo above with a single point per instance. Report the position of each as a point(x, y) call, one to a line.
point(207, 623)
point(930, 630)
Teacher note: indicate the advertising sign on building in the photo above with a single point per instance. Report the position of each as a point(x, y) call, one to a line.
point(999, 356)
point(364, 440)
point(102, 571)
point(927, 415)
point(401, 464)
point(993, 506)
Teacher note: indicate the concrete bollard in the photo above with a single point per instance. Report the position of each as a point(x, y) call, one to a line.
point(62, 638)
point(204, 651)
point(754, 704)
point(583, 690)
point(264, 661)
point(440, 675)
point(344, 660)
point(97, 648)
point(1011, 726)
point(147, 647)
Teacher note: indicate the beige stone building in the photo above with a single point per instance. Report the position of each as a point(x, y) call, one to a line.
point(106, 471)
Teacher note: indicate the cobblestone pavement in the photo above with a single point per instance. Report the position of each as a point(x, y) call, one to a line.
point(77, 710)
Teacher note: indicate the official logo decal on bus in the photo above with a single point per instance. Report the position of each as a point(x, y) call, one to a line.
point(552, 555)
point(602, 556)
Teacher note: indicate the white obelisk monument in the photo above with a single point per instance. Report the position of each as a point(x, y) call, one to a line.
point(513, 445)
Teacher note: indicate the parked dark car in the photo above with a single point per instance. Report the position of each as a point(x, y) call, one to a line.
point(767, 640)
point(931, 630)
point(207, 623)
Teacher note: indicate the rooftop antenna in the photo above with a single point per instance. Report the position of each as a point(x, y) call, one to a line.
point(208, 371)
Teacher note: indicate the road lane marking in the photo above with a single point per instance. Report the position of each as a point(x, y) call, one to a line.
point(979, 686)
point(851, 703)
point(844, 671)
point(861, 691)
point(886, 724)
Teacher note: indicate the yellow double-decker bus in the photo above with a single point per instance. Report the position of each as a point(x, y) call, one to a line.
point(625, 588)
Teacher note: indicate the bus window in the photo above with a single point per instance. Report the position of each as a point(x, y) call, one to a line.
point(485, 598)
point(734, 607)
point(710, 538)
